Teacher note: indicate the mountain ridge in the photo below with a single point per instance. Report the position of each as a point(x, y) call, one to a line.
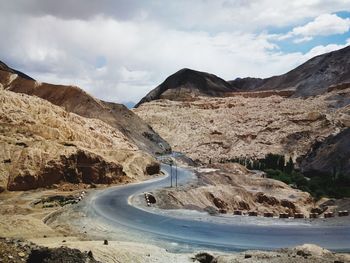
point(74, 99)
point(187, 83)
point(311, 78)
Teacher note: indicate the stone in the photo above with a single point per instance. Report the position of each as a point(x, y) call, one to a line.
point(153, 168)
point(262, 198)
point(288, 204)
point(204, 257)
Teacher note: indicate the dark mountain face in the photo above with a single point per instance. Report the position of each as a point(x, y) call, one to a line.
point(247, 84)
point(187, 83)
point(330, 156)
point(4, 67)
point(311, 78)
point(74, 99)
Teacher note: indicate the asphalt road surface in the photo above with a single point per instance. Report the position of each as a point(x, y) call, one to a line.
point(112, 206)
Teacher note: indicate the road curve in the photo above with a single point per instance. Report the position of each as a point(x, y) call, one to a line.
point(112, 206)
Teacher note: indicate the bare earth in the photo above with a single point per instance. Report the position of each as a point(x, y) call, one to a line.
point(220, 129)
point(22, 216)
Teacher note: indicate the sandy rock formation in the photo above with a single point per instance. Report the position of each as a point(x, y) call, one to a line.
point(79, 167)
point(307, 253)
point(232, 187)
point(214, 129)
point(74, 99)
point(42, 144)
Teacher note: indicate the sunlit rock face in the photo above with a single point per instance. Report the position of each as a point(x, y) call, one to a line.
point(73, 99)
point(246, 125)
point(42, 144)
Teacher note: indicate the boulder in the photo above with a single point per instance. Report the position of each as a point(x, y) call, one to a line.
point(243, 205)
point(62, 254)
point(204, 258)
point(153, 168)
point(220, 203)
point(288, 204)
point(262, 198)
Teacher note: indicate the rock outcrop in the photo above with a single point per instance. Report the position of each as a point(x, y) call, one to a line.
point(230, 187)
point(42, 144)
point(79, 167)
point(74, 99)
point(307, 253)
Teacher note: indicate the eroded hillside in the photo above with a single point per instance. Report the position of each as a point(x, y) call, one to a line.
point(42, 144)
point(221, 129)
point(73, 99)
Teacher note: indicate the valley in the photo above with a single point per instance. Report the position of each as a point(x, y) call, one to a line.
point(79, 171)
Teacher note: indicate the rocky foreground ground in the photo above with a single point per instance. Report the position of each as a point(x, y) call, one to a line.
point(15, 250)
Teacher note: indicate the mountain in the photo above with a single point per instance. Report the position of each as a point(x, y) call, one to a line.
point(223, 129)
point(186, 84)
point(330, 156)
point(42, 145)
point(309, 79)
point(74, 99)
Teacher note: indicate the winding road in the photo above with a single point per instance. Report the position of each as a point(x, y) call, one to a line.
point(113, 206)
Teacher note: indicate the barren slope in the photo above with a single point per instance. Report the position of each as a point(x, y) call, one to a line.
point(311, 78)
point(74, 99)
point(225, 128)
point(42, 144)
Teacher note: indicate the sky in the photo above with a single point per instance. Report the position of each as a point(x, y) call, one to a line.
point(118, 50)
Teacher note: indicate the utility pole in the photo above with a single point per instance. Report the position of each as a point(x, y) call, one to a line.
point(176, 174)
point(171, 175)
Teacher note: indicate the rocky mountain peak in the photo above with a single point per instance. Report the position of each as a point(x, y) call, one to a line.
point(187, 83)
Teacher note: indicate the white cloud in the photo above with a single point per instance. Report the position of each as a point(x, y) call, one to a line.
point(302, 39)
point(318, 50)
point(142, 44)
point(323, 25)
